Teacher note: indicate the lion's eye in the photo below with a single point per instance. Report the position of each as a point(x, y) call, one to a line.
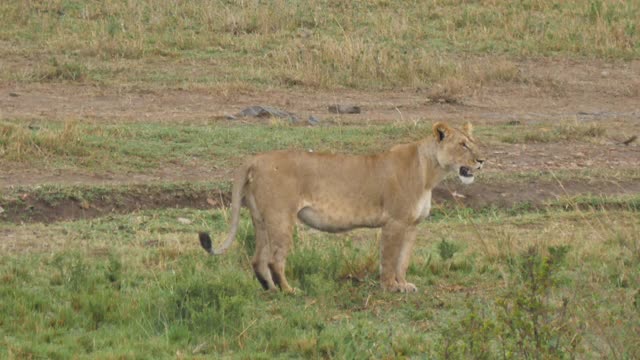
point(464, 145)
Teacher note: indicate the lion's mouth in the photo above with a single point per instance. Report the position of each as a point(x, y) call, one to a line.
point(465, 172)
point(466, 175)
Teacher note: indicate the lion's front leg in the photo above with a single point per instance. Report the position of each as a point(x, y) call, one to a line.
point(397, 244)
point(403, 260)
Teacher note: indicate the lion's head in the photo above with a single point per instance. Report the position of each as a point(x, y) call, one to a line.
point(457, 150)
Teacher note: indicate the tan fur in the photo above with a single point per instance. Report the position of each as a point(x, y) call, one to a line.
point(390, 190)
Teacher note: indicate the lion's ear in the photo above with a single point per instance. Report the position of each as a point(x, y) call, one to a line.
point(440, 131)
point(468, 128)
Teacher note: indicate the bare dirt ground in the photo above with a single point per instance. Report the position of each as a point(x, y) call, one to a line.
point(550, 91)
point(547, 90)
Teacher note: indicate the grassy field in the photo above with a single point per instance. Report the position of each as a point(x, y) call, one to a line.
point(135, 146)
point(129, 147)
point(327, 44)
point(539, 259)
point(492, 284)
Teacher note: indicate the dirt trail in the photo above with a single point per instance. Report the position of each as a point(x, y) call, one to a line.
point(546, 90)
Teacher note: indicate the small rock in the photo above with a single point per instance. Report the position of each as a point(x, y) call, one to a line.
point(230, 117)
point(259, 111)
point(211, 202)
point(630, 140)
point(313, 120)
point(184, 221)
point(12, 94)
point(344, 109)
point(604, 73)
point(1, 209)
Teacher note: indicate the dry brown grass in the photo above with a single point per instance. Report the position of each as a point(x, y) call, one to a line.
point(313, 43)
point(563, 131)
point(21, 143)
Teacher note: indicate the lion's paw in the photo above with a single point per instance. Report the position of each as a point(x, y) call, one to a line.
point(400, 287)
point(407, 287)
point(294, 291)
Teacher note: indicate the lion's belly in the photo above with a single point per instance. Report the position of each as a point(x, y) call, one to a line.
point(338, 220)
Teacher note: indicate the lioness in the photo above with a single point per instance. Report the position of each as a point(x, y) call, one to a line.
point(334, 193)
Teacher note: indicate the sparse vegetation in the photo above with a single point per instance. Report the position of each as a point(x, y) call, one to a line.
point(69, 71)
point(19, 142)
point(565, 131)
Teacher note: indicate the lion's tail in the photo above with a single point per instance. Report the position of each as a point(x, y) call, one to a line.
point(237, 193)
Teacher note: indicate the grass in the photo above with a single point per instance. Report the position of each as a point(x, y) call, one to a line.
point(558, 132)
point(304, 43)
point(138, 285)
point(143, 146)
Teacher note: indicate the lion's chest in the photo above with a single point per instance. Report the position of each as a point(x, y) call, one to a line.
point(423, 206)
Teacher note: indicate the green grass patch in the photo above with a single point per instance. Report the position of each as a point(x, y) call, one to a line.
point(139, 285)
point(147, 146)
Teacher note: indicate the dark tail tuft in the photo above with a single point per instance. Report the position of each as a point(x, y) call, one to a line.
point(205, 241)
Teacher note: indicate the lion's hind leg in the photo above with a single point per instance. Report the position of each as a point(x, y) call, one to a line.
point(261, 261)
point(280, 232)
point(273, 218)
point(262, 256)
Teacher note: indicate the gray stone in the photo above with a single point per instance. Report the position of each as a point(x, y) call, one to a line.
point(344, 109)
point(259, 111)
point(313, 120)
